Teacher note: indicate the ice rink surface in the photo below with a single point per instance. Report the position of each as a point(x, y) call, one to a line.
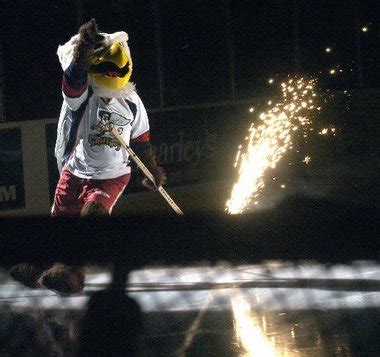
point(303, 309)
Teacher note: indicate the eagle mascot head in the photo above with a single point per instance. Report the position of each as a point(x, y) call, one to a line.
point(111, 64)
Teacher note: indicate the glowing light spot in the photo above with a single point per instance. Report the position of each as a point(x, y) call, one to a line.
point(270, 81)
point(283, 186)
point(328, 49)
point(251, 110)
point(364, 29)
point(307, 160)
point(332, 71)
point(324, 131)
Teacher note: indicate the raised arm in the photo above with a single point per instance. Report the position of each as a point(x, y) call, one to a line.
point(74, 81)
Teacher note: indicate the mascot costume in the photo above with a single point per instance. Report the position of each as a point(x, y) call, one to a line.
point(94, 169)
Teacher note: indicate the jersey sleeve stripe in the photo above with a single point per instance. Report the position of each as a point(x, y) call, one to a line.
point(70, 91)
point(145, 137)
point(74, 81)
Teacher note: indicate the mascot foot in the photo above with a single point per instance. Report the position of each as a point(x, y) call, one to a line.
point(63, 279)
point(27, 274)
point(93, 209)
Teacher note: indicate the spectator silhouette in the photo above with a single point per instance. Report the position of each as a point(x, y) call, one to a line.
point(112, 322)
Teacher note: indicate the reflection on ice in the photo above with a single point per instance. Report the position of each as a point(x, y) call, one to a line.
point(249, 335)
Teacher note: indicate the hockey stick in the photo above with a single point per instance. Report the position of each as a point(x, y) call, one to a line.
point(146, 172)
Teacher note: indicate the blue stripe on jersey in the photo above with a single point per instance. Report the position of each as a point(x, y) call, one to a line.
point(75, 76)
point(132, 107)
point(77, 116)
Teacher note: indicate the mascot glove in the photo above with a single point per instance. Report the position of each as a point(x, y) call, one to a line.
point(89, 39)
point(89, 33)
point(159, 175)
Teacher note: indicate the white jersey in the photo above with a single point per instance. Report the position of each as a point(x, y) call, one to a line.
point(84, 142)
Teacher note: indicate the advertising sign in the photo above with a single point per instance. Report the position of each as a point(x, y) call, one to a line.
point(12, 192)
point(198, 145)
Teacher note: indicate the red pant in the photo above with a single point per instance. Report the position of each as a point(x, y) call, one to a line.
point(73, 192)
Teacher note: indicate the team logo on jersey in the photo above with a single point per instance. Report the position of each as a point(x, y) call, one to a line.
point(106, 122)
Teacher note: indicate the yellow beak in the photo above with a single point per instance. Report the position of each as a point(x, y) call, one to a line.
point(117, 55)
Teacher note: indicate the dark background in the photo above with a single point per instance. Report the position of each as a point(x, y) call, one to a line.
point(208, 50)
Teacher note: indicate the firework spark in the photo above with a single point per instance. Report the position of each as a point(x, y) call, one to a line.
point(268, 141)
point(307, 160)
point(326, 131)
